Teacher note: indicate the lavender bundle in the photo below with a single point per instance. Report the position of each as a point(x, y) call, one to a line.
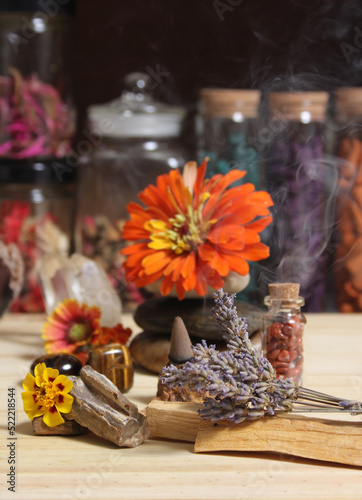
point(238, 383)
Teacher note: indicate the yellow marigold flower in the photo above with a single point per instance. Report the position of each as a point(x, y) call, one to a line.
point(47, 394)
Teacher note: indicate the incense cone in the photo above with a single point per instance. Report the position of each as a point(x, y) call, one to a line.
point(180, 348)
point(180, 352)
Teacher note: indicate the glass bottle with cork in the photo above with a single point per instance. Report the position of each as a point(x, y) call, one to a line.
point(348, 277)
point(37, 126)
point(227, 126)
point(297, 171)
point(283, 326)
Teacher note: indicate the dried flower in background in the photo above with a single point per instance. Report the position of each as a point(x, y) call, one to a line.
point(11, 258)
point(34, 236)
point(194, 231)
point(35, 120)
point(101, 240)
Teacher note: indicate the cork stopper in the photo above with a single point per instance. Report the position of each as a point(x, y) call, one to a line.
point(180, 348)
point(301, 106)
point(227, 102)
point(284, 291)
point(349, 100)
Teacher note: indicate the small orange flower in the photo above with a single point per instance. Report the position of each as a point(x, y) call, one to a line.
point(194, 231)
point(109, 335)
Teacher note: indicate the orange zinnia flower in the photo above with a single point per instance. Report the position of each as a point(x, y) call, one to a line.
point(194, 231)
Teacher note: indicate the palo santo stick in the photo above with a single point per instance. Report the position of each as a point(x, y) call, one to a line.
point(315, 438)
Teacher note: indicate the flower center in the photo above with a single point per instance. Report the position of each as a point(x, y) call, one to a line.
point(183, 233)
point(46, 394)
point(79, 332)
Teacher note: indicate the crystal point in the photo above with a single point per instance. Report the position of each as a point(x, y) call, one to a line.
point(82, 279)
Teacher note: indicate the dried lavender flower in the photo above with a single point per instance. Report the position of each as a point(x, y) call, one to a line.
point(239, 384)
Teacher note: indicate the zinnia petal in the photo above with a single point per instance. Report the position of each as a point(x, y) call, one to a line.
point(188, 265)
point(154, 262)
point(167, 285)
point(256, 252)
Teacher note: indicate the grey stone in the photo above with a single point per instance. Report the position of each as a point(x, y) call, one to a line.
point(157, 315)
point(150, 350)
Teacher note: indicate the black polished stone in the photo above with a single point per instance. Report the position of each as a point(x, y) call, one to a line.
point(66, 364)
point(157, 315)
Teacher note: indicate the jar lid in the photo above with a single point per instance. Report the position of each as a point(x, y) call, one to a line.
point(36, 172)
point(349, 100)
point(301, 106)
point(50, 8)
point(136, 113)
point(230, 103)
point(284, 291)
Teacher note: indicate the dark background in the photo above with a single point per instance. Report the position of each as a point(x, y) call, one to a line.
point(265, 44)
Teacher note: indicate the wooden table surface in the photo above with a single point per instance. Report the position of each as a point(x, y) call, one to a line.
point(85, 467)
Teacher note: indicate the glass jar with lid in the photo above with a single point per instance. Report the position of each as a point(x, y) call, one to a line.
point(348, 255)
point(298, 171)
point(228, 123)
point(227, 130)
point(36, 105)
point(136, 139)
point(37, 214)
point(37, 125)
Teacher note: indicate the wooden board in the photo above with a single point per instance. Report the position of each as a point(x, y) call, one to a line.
point(314, 438)
point(74, 467)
